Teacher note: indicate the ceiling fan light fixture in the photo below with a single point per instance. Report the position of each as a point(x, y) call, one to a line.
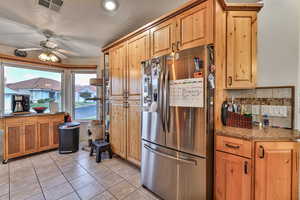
point(43, 56)
point(48, 57)
point(110, 5)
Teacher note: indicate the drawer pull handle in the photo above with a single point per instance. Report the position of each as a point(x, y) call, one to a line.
point(230, 80)
point(246, 167)
point(261, 152)
point(232, 146)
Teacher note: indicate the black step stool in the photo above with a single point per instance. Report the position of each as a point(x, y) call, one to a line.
point(100, 146)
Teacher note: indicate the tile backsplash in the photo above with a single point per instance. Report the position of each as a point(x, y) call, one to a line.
point(277, 103)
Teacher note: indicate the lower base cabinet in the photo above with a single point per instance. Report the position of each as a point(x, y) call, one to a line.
point(26, 135)
point(258, 170)
point(233, 177)
point(117, 133)
point(125, 133)
point(276, 170)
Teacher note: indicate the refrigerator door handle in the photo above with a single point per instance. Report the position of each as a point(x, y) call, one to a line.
point(161, 99)
point(188, 161)
point(167, 101)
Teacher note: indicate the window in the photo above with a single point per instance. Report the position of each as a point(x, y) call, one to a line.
point(84, 109)
point(42, 86)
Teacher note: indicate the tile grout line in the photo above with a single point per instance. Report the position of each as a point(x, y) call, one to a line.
point(105, 190)
point(66, 179)
point(38, 179)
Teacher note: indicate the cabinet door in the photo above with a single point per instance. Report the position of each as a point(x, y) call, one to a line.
point(14, 139)
point(44, 133)
point(233, 177)
point(117, 134)
point(55, 122)
point(163, 38)
point(138, 51)
point(195, 26)
point(241, 49)
point(134, 132)
point(30, 137)
point(276, 171)
point(117, 57)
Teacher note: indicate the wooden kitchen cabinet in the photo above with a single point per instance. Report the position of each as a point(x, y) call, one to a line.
point(233, 177)
point(195, 27)
point(118, 63)
point(272, 169)
point(134, 132)
point(14, 139)
point(44, 133)
point(241, 49)
point(30, 136)
point(138, 51)
point(117, 133)
point(276, 171)
point(55, 122)
point(163, 38)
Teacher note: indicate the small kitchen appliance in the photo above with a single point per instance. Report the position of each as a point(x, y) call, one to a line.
point(20, 103)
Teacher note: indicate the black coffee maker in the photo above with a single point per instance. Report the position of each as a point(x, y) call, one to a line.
point(20, 103)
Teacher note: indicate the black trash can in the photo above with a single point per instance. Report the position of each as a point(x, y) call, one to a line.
point(69, 137)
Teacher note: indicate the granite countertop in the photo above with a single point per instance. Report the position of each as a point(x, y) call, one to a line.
point(263, 134)
point(32, 114)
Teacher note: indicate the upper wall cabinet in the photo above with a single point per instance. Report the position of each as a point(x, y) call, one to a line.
point(163, 38)
point(195, 27)
point(118, 63)
point(138, 51)
point(241, 49)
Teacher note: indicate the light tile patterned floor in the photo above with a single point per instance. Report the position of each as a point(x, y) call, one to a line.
point(52, 176)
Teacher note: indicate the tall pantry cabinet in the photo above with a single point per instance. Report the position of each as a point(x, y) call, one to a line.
point(125, 96)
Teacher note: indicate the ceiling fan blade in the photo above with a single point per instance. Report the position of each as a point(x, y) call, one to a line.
point(60, 55)
point(72, 53)
point(31, 49)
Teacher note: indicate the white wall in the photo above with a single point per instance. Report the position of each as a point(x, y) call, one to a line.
point(278, 45)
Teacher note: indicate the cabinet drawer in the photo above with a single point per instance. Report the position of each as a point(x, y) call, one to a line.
point(234, 146)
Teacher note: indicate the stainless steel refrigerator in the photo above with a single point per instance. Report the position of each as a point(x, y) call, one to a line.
point(177, 125)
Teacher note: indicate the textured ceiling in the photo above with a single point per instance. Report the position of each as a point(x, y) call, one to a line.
point(84, 26)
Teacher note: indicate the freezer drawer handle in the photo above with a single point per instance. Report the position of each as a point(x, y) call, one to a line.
point(188, 161)
point(232, 146)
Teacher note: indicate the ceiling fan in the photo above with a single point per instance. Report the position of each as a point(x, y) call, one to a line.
point(50, 50)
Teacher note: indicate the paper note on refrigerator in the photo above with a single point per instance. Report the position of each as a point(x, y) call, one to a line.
point(187, 92)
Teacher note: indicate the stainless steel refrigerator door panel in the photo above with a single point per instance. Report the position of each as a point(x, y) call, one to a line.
point(187, 130)
point(192, 178)
point(159, 171)
point(173, 175)
point(152, 129)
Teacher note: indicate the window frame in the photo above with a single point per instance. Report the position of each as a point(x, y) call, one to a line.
point(73, 73)
point(30, 67)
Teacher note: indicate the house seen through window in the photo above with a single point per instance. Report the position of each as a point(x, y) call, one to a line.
point(42, 86)
point(84, 109)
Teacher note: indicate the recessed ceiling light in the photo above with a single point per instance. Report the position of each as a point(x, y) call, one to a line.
point(110, 5)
